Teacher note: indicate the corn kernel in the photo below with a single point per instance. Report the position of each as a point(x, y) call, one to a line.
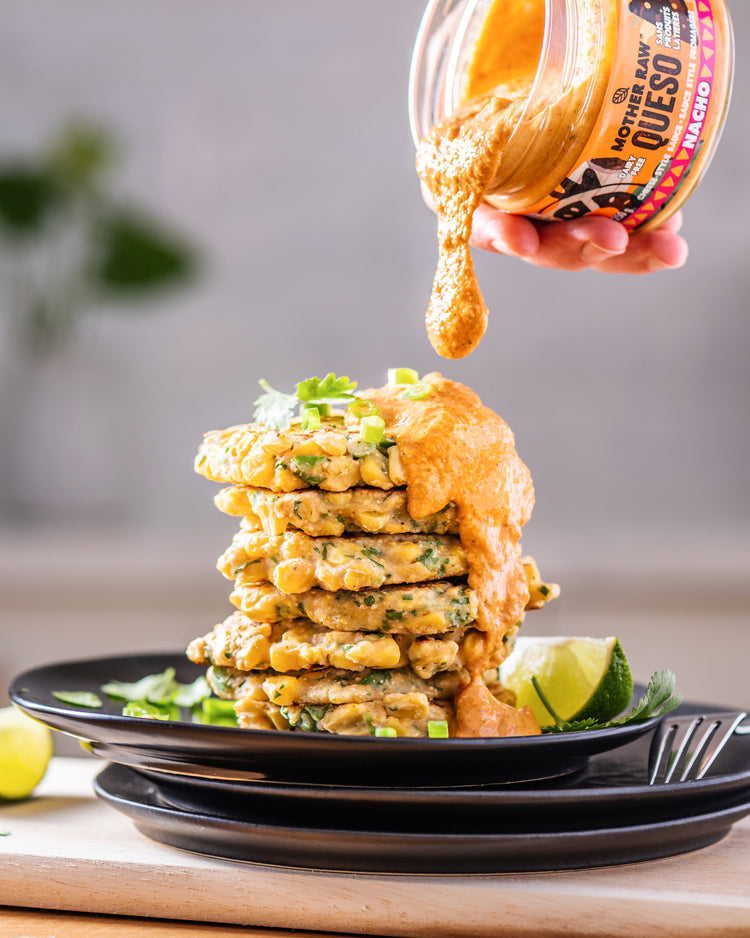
point(359, 577)
point(372, 470)
point(294, 576)
point(332, 442)
point(370, 521)
point(405, 551)
point(396, 466)
point(281, 690)
point(473, 645)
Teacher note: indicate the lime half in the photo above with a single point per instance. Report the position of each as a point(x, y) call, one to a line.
point(25, 751)
point(582, 678)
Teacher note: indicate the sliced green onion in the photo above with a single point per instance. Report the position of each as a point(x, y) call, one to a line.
point(385, 731)
point(78, 698)
point(437, 729)
point(152, 711)
point(362, 407)
point(310, 418)
point(398, 376)
point(216, 711)
point(216, 707)
point(419, 391)
point(371, 429)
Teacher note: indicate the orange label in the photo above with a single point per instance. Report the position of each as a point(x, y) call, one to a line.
point(656, 113)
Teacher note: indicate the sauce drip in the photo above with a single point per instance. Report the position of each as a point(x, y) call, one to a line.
point(456, 450)
point(458, 161)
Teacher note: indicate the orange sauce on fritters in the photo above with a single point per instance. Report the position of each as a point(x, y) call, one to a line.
point(454, 449)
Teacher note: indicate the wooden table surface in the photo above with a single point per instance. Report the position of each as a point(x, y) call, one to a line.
point(65, 853)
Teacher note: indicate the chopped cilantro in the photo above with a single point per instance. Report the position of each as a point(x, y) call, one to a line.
point(375, 677)
point(301, 465)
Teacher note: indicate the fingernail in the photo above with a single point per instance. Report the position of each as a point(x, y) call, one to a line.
point(595, 253)
point(654, 264)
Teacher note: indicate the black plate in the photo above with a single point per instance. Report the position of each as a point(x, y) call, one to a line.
point(294, 757)
point(611, 791)
point(387, 851)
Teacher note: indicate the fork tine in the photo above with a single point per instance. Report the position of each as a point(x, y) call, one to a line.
point(688, 733)
point(664, 736)
point(720, 741)
point(693, 758)
point(662, 762)
point(686, 747)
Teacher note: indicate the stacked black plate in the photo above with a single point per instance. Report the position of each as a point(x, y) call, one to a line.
point(315, 801)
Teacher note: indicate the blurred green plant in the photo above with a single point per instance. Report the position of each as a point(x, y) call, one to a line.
point(71, 245)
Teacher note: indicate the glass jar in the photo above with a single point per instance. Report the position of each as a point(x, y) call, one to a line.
point(625, 100)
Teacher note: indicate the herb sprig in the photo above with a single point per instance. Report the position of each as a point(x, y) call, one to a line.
point(660, 698)
point(276, 408)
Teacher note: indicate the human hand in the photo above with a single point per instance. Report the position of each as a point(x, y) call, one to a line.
point(592, 242)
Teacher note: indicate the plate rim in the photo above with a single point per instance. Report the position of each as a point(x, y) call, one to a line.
point(152, 727)
point(604, 843)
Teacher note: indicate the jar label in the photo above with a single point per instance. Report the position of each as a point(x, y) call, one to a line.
point(654, 117)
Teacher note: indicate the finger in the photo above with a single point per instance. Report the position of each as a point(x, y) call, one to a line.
point(673, 223)
point(503, 233)
point(576, 245)
point(647, 252)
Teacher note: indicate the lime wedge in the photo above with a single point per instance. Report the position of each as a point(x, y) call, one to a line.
point(25, 751)
point(582, 678)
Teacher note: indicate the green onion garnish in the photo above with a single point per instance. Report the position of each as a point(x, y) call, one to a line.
point(311, 418)
point(419, 391)
point(217, 712)
point(398, 376)
point(78, 698)
point(362, 407)
point(371, 429)
point(385, 731)
point(152, 711)
point(437, 729)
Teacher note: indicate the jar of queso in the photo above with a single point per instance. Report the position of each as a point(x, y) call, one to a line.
point(616, 106)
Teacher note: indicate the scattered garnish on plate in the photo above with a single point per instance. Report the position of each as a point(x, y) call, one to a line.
point(79, 698)
point(159, 697)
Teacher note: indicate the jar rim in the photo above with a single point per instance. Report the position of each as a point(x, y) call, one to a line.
point(441, 38)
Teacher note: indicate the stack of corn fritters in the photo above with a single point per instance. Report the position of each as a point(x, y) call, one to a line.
point(351, 615)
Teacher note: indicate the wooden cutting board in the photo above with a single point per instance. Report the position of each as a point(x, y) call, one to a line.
point(64, 849)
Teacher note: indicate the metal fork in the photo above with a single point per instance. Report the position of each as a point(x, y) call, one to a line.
point(685, 747)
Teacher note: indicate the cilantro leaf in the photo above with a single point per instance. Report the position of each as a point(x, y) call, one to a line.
point(274, 408)
point(155, 688)
point(160, 689)
point(328, 390)
point(188, 695)
point(660, 698)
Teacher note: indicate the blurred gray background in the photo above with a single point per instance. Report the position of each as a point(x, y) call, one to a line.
point(275, 137)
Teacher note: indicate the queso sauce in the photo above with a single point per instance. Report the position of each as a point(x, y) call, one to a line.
point(460, 158)
point(456, 450)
